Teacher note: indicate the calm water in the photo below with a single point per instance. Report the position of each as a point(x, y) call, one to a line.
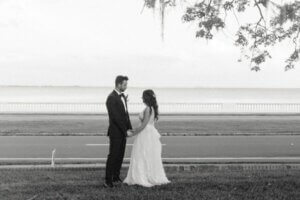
point(165, 95)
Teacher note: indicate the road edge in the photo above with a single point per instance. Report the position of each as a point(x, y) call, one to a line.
point(167, 167)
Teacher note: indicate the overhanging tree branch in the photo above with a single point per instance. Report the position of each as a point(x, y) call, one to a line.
point(253, 38)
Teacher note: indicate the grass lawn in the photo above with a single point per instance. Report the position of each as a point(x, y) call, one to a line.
point(86, 184)
point(204, 125)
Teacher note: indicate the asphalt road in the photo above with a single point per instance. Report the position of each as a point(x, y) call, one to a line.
point(179, 148)
point(75, 125)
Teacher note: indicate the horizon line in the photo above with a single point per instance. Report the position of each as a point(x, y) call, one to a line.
point(158, 87)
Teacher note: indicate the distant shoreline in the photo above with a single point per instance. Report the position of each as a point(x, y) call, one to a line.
point(144, 87)
point(163, 114)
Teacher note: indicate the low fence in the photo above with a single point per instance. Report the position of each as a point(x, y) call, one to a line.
point(165, 108)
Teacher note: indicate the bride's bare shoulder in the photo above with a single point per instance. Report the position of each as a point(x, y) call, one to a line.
point(146, 110)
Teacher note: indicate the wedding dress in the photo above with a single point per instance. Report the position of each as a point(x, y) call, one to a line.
point(146, 167)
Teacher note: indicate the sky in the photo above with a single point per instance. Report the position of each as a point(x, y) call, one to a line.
point(88, 43)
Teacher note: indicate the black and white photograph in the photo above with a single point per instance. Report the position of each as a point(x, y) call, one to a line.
point(149, 100)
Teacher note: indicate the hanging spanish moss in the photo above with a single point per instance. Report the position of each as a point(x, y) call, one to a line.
point(275, 21)
point(162, 8)
point(162, 18)
point(150, 3)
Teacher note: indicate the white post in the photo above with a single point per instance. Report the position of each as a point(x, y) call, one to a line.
point(53, 158)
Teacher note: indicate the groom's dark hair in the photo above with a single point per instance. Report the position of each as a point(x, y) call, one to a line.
point(120, 79)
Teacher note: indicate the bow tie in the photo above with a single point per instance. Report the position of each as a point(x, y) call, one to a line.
point(122, 95)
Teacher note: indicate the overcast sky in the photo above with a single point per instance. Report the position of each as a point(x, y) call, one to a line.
point(87, 43)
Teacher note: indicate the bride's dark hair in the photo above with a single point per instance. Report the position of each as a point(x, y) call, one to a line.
point(149, 99)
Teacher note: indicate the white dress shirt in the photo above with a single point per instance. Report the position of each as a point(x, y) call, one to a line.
point(123, 100)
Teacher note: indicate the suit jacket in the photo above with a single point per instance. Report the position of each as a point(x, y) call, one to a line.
point(119, 121)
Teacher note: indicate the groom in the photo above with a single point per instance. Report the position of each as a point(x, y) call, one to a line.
point(119, 123)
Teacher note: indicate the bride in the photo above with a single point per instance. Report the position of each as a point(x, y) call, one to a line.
point(146, 167)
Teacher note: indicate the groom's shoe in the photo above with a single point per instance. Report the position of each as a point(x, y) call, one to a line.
point(117, 180)
point(108, 185)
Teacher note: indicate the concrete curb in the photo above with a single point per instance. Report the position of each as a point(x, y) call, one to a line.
point(163, 134)
point(166, 161)
point(168, 167)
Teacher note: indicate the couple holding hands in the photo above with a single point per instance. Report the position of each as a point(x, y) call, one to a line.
point(146, 167)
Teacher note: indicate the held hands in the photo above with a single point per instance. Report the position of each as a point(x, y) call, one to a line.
point(129, 133)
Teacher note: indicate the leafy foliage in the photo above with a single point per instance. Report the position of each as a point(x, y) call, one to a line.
point(254, 38)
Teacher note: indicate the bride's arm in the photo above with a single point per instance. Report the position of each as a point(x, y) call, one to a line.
point(145, 121)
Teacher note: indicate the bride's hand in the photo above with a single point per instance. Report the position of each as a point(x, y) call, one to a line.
point(129, 133)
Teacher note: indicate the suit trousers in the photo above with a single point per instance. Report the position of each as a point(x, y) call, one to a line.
point(115, 157)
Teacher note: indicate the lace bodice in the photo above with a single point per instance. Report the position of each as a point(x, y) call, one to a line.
point(151, 121)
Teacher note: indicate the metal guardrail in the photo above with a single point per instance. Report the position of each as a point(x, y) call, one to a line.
point(165, 108)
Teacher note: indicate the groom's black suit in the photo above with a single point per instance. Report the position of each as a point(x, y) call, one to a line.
point(119, 123)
